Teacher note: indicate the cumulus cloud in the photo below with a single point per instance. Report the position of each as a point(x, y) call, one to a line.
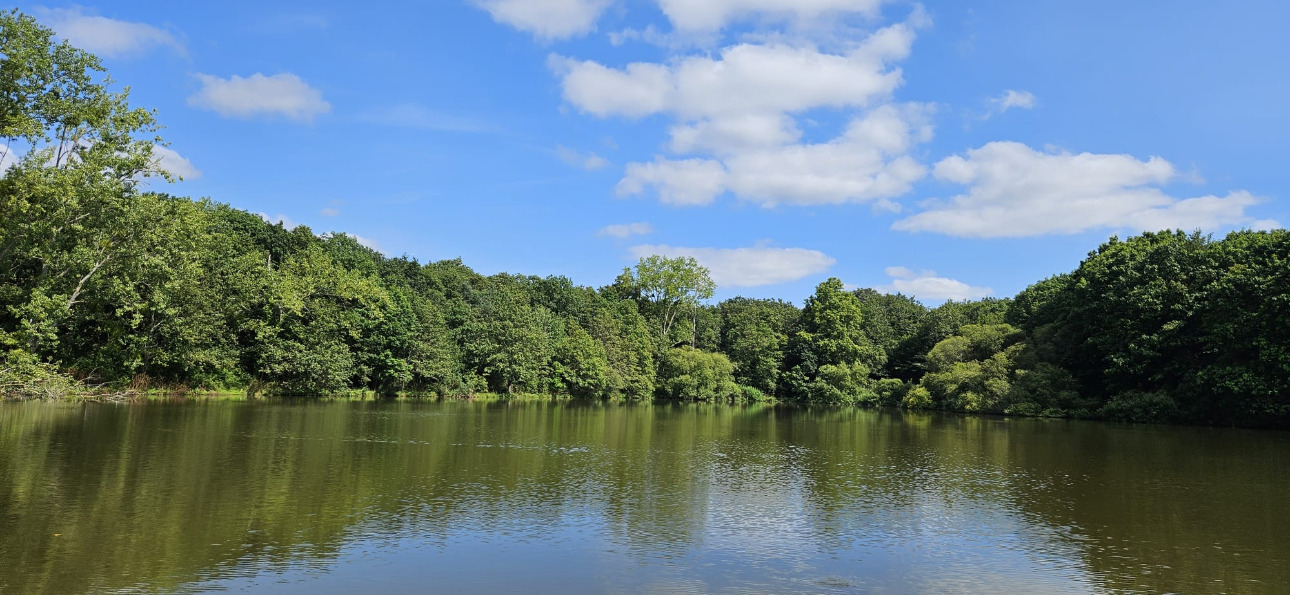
point(744, 79)
point(547, 19)
point(689, 182)
point(626, 230)
point(927, 286)
point(1265, 225)
point(747, 267)
point(589, 161)
point(1015, 191)
point(106, 37)
point(171, 161)
point(282, 94)
point(707, 15)
point(735, 118)
point(734, 134)
point(867, 163)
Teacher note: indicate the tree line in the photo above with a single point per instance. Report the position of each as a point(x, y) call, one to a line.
point(104, 283)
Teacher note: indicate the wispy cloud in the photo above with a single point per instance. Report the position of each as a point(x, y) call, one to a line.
point(588, 161)
point(626, 230)
point(748, 267)
point(1009, 100)
point(106, 37)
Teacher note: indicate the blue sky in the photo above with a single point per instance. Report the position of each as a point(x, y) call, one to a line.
point(945, 149)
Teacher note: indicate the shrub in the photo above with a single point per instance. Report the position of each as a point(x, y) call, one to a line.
point(1140, 407)
point(24, 376)
point(689, 374)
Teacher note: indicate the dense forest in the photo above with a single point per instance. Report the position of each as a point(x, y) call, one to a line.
point(107, 285)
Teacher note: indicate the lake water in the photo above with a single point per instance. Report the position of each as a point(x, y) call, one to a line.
point(344, 496)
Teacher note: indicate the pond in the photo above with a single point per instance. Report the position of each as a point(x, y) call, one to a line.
point(360, 496)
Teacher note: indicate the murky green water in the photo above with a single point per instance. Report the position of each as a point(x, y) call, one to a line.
point(342, 497)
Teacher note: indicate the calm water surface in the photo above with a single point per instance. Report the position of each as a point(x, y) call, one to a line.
point(343, 497)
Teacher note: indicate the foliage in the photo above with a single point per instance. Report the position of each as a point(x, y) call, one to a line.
point(23, 376)
point(106, 283)
point(754, 334)
point(829, 358)
point(672, 286)
point(688, 374)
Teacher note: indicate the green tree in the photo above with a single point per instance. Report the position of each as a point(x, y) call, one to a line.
point(581, 366)
point(674, 286)
point(830, 357)
point(70, 212)
point(754, 335)
point(692, 375)
point(508, 341)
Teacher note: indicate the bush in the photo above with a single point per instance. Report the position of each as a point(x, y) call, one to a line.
point(917, 398)
point(689, 374)
point(752, 394)
point(24, 376)
point(842, 383)
point(890, 391)
point(1045, 390)
point(1140, 407)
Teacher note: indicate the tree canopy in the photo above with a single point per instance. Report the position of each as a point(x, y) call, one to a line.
point(105, 282)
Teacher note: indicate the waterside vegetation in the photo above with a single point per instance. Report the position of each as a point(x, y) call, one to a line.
point(109, 287)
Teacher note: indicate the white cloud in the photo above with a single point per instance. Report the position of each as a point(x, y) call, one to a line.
point(547, 19)
point(1012, 98)
point(282, 94)
point(589, 162)
point(748, 267)
point(1265, 225)
point(735, 115)
point(734, 134)
point(927, 286)
point(867, 163)
point(706, 15)
point(652, 36)
point(329, 212)
point(362, 241)
point(279, 218)
point(106, 37)
point(626, 230)
point(8, 157)
point(1016, 191)
point(689, 182)
point(744, 79)
point(171, 161)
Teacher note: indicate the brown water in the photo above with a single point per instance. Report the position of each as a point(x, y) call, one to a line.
point(342, 497)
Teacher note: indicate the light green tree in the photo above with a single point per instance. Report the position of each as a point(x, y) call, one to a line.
point(69, 212)
point(674, 286)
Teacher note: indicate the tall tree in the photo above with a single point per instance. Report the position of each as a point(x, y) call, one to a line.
point(674, 285)
point(69, 209)
point(830, 358)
